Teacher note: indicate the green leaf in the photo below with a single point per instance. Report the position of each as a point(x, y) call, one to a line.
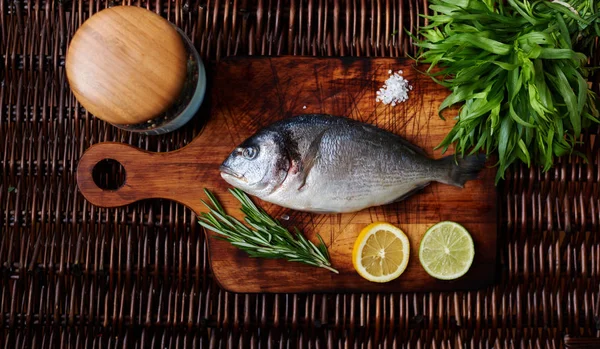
point(458, 95)
point(446, 9)
point(506, 66)
point(564, 32)
point(549, 152)
point(582, 92)
point(561, 53)
point(523, 148)
point(561, 148)
point(480, 144)
point(537, 38)
point(591, 117)
point(535, 101)
point(513, 83)
point(459, 3)
point(570, 101)
point(483, 43)
point(543, 92)
point(505, 132)
point(524, 11)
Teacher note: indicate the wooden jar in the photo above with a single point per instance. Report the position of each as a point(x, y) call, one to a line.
point(132, 68)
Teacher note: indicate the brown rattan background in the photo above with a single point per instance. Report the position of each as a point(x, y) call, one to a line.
point(74, 275)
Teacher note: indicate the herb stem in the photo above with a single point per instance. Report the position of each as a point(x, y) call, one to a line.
point(265, 237)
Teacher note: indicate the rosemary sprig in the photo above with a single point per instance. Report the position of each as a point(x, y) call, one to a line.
point(265, 237)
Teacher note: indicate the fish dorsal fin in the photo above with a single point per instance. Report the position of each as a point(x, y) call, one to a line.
point(411, 146)
point(398, 139)
point(311, 157)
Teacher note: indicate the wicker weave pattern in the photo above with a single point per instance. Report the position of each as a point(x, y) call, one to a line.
point(76, 276)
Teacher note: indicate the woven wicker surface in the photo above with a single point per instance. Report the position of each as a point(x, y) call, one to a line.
point(74, 275)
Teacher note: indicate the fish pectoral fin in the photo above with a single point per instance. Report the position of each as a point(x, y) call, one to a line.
point(311, 157)
point(411, 192)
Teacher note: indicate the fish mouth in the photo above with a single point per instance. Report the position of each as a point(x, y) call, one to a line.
point(225, 170)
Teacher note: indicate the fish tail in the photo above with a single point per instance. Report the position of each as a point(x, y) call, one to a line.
point(462, 169)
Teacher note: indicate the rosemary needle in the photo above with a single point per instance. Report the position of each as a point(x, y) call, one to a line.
point(263, 236)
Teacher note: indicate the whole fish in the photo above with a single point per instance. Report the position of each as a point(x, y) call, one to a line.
point(327, 164)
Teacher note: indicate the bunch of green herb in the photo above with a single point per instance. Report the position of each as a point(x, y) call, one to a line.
point(518, 70)
point(265, 237)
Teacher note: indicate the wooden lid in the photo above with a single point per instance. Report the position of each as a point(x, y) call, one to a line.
point(126, 65)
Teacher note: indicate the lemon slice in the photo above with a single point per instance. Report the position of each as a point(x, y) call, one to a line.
point(447, 251)
point(380, 252)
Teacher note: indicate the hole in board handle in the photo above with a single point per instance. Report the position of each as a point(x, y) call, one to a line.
point(109, 174)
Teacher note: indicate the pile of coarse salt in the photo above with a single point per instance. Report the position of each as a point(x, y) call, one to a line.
point(394, 90)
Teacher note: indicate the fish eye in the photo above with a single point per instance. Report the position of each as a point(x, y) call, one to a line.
point(250, 153)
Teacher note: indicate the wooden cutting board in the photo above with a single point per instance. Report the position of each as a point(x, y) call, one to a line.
point(251, 93)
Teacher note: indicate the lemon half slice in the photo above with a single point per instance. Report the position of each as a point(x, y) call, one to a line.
point(380, 252)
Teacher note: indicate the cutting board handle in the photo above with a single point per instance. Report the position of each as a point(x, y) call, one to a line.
point(172, 175)
point(124, 154)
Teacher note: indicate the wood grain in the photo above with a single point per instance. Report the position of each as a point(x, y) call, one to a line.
point(250, 93)
point(126, 65)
